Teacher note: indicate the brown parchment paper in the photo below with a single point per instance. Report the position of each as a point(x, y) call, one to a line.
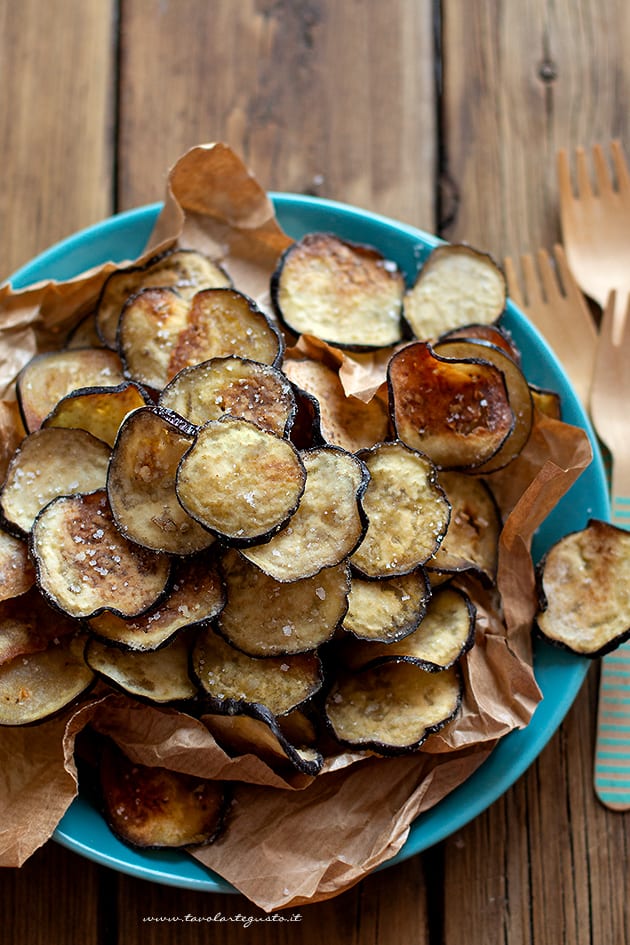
point(290, 839)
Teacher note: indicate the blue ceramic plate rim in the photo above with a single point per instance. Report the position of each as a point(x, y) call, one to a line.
point(559, 674)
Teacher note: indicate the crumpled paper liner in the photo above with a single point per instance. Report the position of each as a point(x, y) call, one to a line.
point(291, 839)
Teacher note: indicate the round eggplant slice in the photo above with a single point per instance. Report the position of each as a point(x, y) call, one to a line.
point(239, 481)
point(585, 590)
point(236, 386)
point(407, 510)
point(160, 676)
point(29, 625)
point(264, 617)
point(456, 410)
point(36, 686)
point(472, 539)
point(160, 333)
point(388, 609)
point(328, 524)
point(491, 334)
point(141, 484)
point(344, 293)
point(17, 573)
point(345, 421)
point(444, 634)
point(233, 682)
point(84, 565)
point(50, 463)
point(50, 376)
point(155, 808)
point(185, 270)
point(456, 286)
point(99, 410)
point(393, 707)
point(195, 597)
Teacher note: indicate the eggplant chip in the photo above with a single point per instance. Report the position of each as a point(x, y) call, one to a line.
point(50, 463)
point(84, 565)
point(407, 510)
point(99, 410)
point(328, 524)
point(344, 293)
point(17, 574)
point(160, 333)
point(456, 410)
point(445, 633)
point(585, 590)
point(472, 539)
point(141, 484)
point(260, 735)
point(50, 376)
point(388, 609)
point(36, 686)
point(457, 285)
point(233, 682)
point(29, 625)
point(263, 617)
point(154, 807)
point(185, 270)
point(85, 334)
point(159, 676)
point(236, 386)
point(393, 707)
point(195, 597)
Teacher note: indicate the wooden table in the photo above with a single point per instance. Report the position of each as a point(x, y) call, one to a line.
point(446, 116)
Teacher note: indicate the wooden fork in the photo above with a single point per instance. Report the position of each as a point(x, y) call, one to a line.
point(610, 397)
point(595, 221)
point(552, 300)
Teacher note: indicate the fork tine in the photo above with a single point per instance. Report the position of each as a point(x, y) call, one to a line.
point(564, 176)
point(533, 289)
point(514, 288)
point(584, 187)
point(621, 168)
point(548, 276)
point(602, 171)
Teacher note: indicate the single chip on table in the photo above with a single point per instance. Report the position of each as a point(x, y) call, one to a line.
point(155, 807)
point(388, 609)
point(344, 293)
point(407, 510)
point(236, 386)
point(28, 625)
point(456, 410)
point(160, 333)
point(195, 596)
point(344, 420)
point(264, 617)
point(241, 482)
point(233, 681)
point(261, 735)
point(84, 565)
point(185, 270)
point(445, 633)
point(141, 483)
point(17, 573)
point(585, 590)
point(49, 463)
point(329, 522)
point(472, 539)
point(48, 377)
point(159, 676)
point(456, 286)
point(38, 685)
point(99, 410)
point(393, 707)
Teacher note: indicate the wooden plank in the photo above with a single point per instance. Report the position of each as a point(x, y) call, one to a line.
point(56, 126)
point(326, 98)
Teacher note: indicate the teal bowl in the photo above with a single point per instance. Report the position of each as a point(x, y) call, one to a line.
point(559, 674)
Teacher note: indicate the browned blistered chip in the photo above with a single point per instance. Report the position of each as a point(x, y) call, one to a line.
point(236, 386)
point(387, 609)
point(262, 735)
point(159, 676)
point(48, 377)
point(407, 512)
point(141, 483)
point(264, 617)
point(456, 410)
point(184, 270)
point(17, 574)
point(585, 590)
point(99, 410)
point(234, 681)
point(49, 463)
point(160, 332)
point(344, 420)
point(28, 625)
point(328, 524)
point(472, 539)
point(457, 285)
point(84, 565)
point(344, 293)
